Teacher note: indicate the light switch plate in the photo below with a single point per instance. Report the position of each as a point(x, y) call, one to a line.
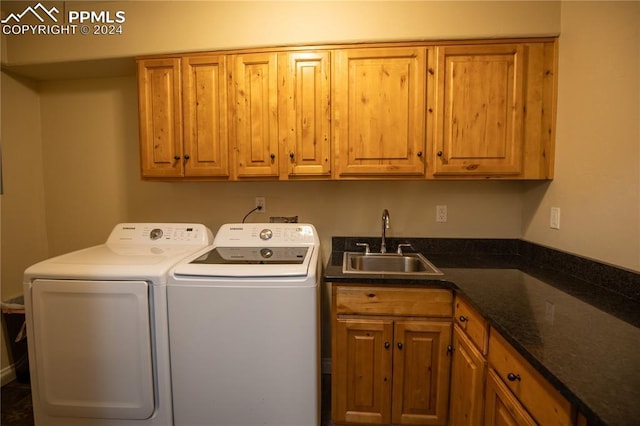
point(554, 221)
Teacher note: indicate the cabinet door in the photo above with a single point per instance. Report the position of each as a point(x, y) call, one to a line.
point(255, 112)
point(421, 366)
point(379, 111)
point(468, 371)
point(501, 407)
point(479, 110)
point(361, 389)
point(304, 114)
point(206, 146)
point(160, 113)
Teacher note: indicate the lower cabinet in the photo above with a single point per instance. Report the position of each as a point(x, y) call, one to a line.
point(388, 368)
point(513, 374)
point(399, 359)
point(502, 407)
point(468, 371)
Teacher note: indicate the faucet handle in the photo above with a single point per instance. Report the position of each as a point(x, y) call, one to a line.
point(399, 251)
point(366, 247)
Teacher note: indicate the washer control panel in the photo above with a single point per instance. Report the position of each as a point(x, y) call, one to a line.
point(161, 233)
point(262, 234)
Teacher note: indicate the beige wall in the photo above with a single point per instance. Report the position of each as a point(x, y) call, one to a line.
point(71, 150)
point(177, 26)
point(23, 219)
point(597, 173)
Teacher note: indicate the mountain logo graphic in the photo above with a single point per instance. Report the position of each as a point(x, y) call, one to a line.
point(38, 11)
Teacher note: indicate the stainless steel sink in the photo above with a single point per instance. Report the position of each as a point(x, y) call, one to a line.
point(388, 263)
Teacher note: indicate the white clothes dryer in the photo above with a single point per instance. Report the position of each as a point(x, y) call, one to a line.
point(97, 327)
point(244, 329)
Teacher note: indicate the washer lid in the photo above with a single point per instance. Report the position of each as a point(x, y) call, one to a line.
point(248, 262)
point(253, 256)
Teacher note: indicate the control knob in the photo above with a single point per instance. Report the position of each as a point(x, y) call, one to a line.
point(155, 234)
point(266, 234)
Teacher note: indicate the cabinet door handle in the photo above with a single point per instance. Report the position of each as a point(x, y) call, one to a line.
point(463, 318)
point(387, 345)
point(439, 153)
point(176, 157)
point(419, 153)
point(291, 155)
point(187, 156)
point(513, 377)
point(400, 345)
point(273, 156)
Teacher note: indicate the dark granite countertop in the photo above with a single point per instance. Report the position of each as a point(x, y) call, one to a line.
point(576, 321)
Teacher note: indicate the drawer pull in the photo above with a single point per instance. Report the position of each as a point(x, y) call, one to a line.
point(513, 377)
point(463, 318)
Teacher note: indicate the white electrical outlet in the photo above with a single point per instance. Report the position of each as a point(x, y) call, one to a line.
point(554, 221)
point(441, 213)
point(261, 204)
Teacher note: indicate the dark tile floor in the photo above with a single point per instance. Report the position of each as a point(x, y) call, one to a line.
point(16, 409)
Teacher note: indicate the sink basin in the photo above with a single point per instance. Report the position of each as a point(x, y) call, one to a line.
point(388, 263)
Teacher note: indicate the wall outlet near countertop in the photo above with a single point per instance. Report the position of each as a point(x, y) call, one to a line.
point(441, 213)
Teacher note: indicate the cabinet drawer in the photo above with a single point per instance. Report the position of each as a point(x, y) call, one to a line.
point(542, 401)
point(429, 302)
point(473, 324)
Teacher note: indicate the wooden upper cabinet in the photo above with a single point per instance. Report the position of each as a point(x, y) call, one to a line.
point(378, 111)
point(480, 110)
point(206, 145)
point(160, 114)
point(304, 114)
point(415, 110)
point(254, 112)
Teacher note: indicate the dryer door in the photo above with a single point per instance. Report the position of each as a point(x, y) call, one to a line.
point(93, 348)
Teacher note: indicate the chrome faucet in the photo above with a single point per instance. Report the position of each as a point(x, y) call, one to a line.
point(385, 226)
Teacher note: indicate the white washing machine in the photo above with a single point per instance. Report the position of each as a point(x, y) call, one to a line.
point(244, 328)
point(97, 327)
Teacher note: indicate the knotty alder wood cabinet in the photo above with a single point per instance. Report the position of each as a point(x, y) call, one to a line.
point(516, 391)
point(408, 110)
point(390, 355)
point(469, 365)
point(495, 110)
point(304, 114)
point(378, 105)
point(392, 351)
point(254, 112)
point(183, 117)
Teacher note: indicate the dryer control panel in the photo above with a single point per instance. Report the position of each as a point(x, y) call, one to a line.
point(160, 233)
